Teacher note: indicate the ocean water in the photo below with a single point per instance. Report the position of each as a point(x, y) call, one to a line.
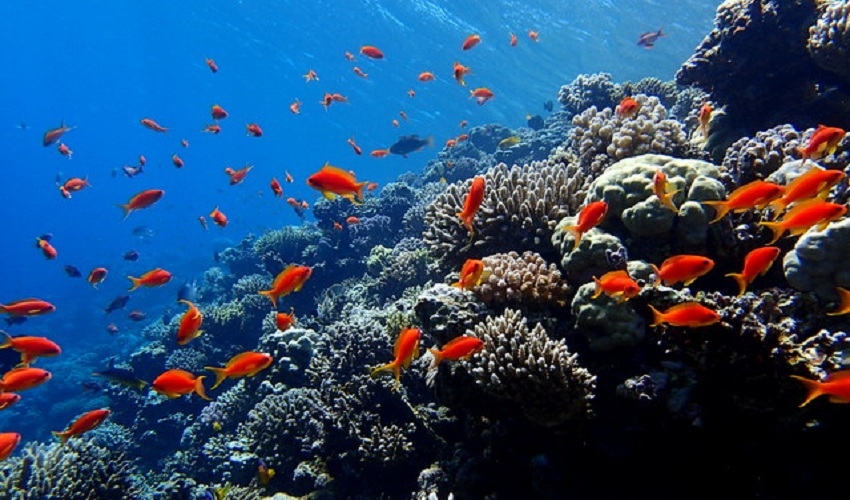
point(101, 66)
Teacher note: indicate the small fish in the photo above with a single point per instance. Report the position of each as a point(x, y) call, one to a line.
point(136, 315)
point(218, 113)
point(218, 217)
point(211, 65)
point(688, 314)
point(823, 142)
point(533, 35)
point(756, 194)
point(177, 161)
point(96, 276)
point(352, 220)
point(142, 160)
point(803, 216)
point(83, 424)
point(406, 350)
point(756, 263)
point(481, 94)
point(190, 324)
point(509, 142)
point(48, 250)
point(359, 72)
point(23, 378)
point(154, 277)
point(176, 383)
point(471, 274)
point(92, 386)
point(460, 71)
point(682, 269)
point(31, 347)
point(117, 303)
point(142, 200)
point(295, 107)
point(153, 125)
point(310, 76)
point(287, 176)
point(131, 171)
point(371, 186)
point(349, 56)
point(284, 321)
point(616, 284)
point(254, 130)
point(836, 385)
point(470, 41)
point(458, 348)
point(111, 329)
point(410, 144)
point(513, 39)
point(8, 442)
point(379, 153)
point(53, 135)
point(535, 122)
point(64, 150)
point(214, 129)
point(131, 255)
point(72, 271)
point(237, 176)
point(426, 76)
point(27, 307)
point(8, 399)
point(411, 93)
point(357, 149)
point(184, 143)
point(815, 182)
point(289, 280)
point(706, 112)
point(333, 181)
point(471, 204)
point(844, 305)
point(121, 376)
point(202, 221)
point(246, 364)
point(590, 216)
point(627, 108)
point(661, 189)
point(264, 474)
point(371, 52)
point(647, 40)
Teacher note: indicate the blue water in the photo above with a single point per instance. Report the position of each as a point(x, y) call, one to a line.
point(101, 66)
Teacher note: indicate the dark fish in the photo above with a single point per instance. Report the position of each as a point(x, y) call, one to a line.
point(549, 105)
point(143, 232)
point(15, 320)
point(535, 122)
point(118, 303)
point(136, 315)
point(132, 256)
point(121, 376)
point(188, 291)
point(647, 40)
point(72, 271)
point(131, 171)
point(410, 144)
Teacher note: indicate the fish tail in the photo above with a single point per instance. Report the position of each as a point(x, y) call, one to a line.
point(438, 358)
point(657, 316)
point(598, 290)
point(843, 307)
point(270, 294)
point(721, 208)
point(813, 389)
point(576, 234)
point(777, 228)
point(393, 367)
point(742, 282)
point(62, 435)
point(199, 388)
point(466, 220)
point(657, 274)
point(220, 375)
point(8, 342)
point(126, 208)
point(358, 190)
point(137, 282)
point(666, 199)
point(778, 206)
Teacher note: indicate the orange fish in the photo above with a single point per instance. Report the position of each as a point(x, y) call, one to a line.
point(276, 189)
point(682, 268)
point(823, 142)
point(836, 385)
point(64, 192)
point(471, 41)
point(689, 314)
point(246, 364)
point(96, 276)
point(349, 56)
point(704, 119)
point(481, 95)
point(190, 324)
point(83, 424)
point(332, 181)
point(371, 186)
point(284, 321)
point(7, 399)
point(254, 130)
point(534, 35)
point(337, 226)
point(212, 65)
point(457, 348)
point(8, 442)
point(352, 220)
point(64, 150)
point(152, 278)
point(359, 72)
point(327, 100)
point(756, 194)
point(141, 200)
point(295, 107)
point(237, 176)
point(406, 349)
point(289, 280)
point(379, 153)
point(213, 129)
point(76, 184)
point(338, 98)
point(471, 274)
point(616, 284)
point(357, 149)
point(460, 71)
point(310, 76)
point(218, 217)
point(411, 93)
point(660, 188)
point(514, 40)
point(627, 108)
point(151, 124)
point(177, 161)
point(372, 52)
point(31, 347)
point(176, 383)
point(48, 250)
point(589, 217)
point(471, 204)
point(426, 76)
point(450, 143)
point(53, 135)
point(844, 305)
point(23, 378)
point(27, 307)
point(218, 113)
point(798, 220)
point(463, 123)
point(756, 263)
point(462, 137)
point(203, 221)
point(814, 182)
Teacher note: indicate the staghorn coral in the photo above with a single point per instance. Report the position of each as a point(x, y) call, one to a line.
point(525, 280)
point(520, 209)
point(590, 90)
point(527, 367)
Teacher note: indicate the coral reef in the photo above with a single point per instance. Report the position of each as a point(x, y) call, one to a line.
point(522, 281)
point(818, 262)
point(590, 90)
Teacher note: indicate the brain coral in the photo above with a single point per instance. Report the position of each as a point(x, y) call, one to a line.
point(527, 367)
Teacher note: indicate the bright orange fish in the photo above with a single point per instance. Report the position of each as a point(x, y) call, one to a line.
point(254, 130)
point(359, 72)
point(337, 226)
point(660, 188)
point(704, 119)
point(471, 41)
point(48, 250)
point(287, 281)
point(142, 200)
point(457, 348)
point(472, 203)
point(31, 347)
point(616, 284)
point(154, 277)
point(53, 135)
point(756, 194)
point(332, 181)
point(371, 186)
point(276, 188)
point(589, 217)
point(836, 385)
point(756, 263)
point(310, 76)
point(176, 383)
point(213, 129)
point(379, 153)
point(481, 95)
point(327, 100)
point(627, 108)
point(372, 52)
point(246, 364)
point(426, 76)
point(64, 150)
point(463, 137)
point(284, 321)
point(514, 40)
point(471, 274)
point(8, 442)
point(406, 349)
point(682, 269)
point(83, 424)
point(218, 113)
point(151, 124)
point(803, 216)
point(689, 314)
point(352, 220)
point(23, 378)
point(295, 107)
point(190, 324)
point(212, 65)
point(814, 182)
point(844, 306)
point(27, 307)
point(534, 35)
point(177, 161)
point(462, 123)
point(460, 71)
point(823, 142)
point(357, 149)
point(76, 184)
point(8, 399)
point(450, 143)
point(218, 217)
point(96, 276)
point(237, 176)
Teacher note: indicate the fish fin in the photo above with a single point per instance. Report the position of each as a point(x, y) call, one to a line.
point(137, 282)
point(62, 435)
point(844, 306)
point(667, 200)
point(721, 208)
point(741, 280)
point(220, 375)
point(126, 208)
point(358, 190)
point(598, 290)
point(270, 294)
point(813, 389)
point(438, 358)
point(657, 316)
point(777, 228)
point(8, 342)
point(199, 388)
point(657, 273)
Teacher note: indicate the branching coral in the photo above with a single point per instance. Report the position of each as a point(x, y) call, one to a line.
point(525, 280)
